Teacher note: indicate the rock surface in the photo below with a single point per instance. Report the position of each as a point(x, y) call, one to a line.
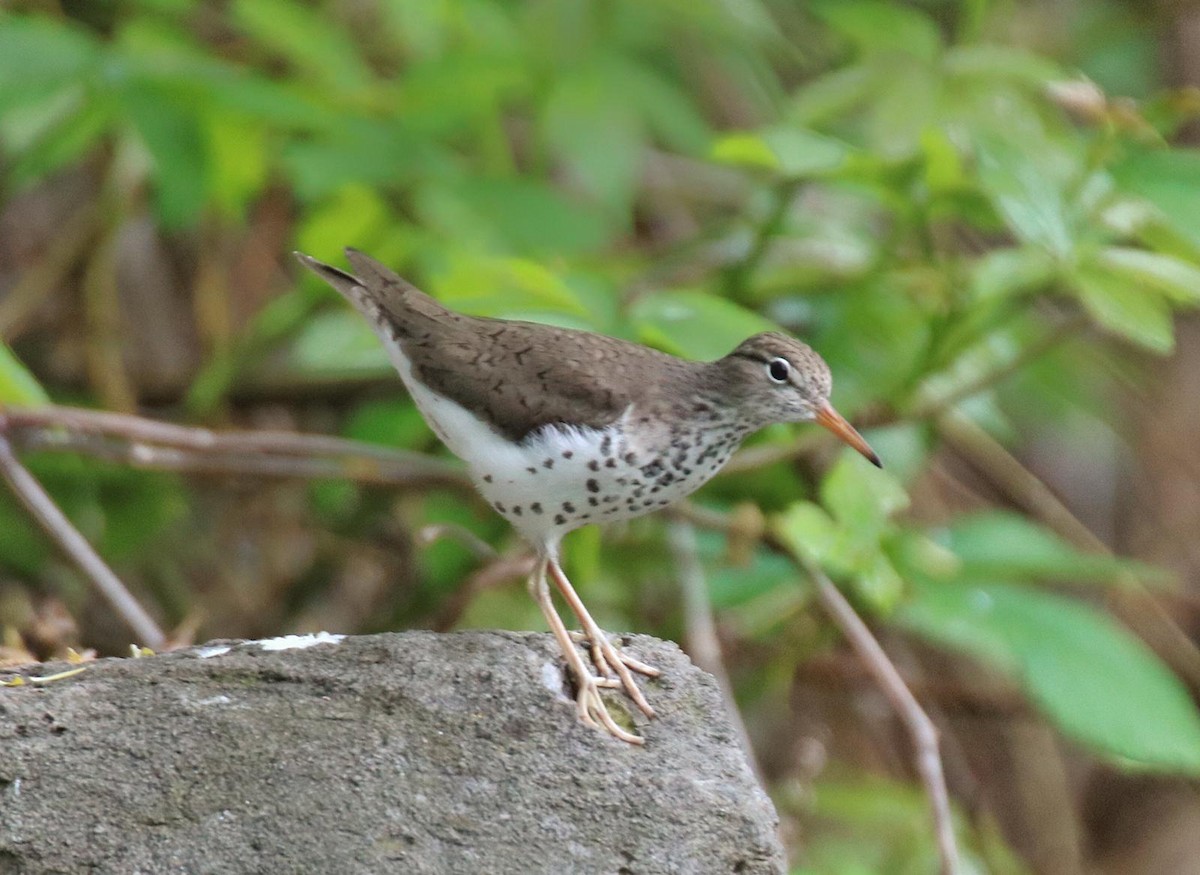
point(410, 753)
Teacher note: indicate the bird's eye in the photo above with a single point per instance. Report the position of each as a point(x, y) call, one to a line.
point(778, 370)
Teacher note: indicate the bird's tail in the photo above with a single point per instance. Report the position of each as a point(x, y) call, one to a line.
point(376, 292)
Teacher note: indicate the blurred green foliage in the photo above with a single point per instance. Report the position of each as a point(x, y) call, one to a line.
point(913, 192)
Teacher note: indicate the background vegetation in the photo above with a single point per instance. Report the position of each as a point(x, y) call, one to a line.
point(983, 214)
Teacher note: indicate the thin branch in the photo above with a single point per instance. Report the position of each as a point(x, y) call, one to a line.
point(933, 407)
point(1136, 605)
point(704, 645)
point(994, 700)
point(145, 443)
point(398, 472)
point(461, 535)
point(920, 728)
point(55, 523)
point(136, 428)
point(502, 570)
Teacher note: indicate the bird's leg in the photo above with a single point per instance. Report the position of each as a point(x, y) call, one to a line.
point(604, 654)
point(588, 702)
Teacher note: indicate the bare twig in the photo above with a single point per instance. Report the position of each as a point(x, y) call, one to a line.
point(1132, 601)
point(380, 472)
point(999, 699)
point(921, 730)
point(930, 408)
point(502, 570)
point(55, 523)
point(461, 535)
point(145, 443)
point(703, 643)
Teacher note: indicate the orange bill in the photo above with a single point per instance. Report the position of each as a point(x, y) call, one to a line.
point(837, 424)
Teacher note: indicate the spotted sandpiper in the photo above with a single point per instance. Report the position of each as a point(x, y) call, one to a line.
point(563, 428)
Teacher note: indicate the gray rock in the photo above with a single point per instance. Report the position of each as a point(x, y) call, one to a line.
point(410, 753)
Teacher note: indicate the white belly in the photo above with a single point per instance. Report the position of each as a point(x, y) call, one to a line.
point(565, 477)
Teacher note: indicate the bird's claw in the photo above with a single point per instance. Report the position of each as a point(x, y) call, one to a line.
point(594, 712)
point(613, 667)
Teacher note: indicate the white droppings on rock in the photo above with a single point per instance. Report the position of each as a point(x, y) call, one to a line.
point(552, 678)
point(299, 642)
point(214, 650)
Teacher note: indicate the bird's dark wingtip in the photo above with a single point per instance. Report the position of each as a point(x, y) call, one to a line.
point(339, 279)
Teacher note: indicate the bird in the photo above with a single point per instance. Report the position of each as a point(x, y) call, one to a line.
point(561, 428)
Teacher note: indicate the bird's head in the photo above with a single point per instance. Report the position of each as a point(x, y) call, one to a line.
point(776, 378)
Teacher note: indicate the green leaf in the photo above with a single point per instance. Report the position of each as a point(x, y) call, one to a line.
point(991, 61)
point(1131, 311)
point(1004, 272)
point(38, 55)
point(695, 324)
point(833, 95)
point(1025, 190)
point(1169, 179)
point(845, 550)
point(351, 216)
point(18, 386)
point(597, 134)
point(510, 288)
point(239, 161)
point(172, 133)
point(859, 495)
point(24, 547)
point(878, 582)
point(802, 153)
point(730, 586)
point(791, 151)
point(64, 136)
point(745, 150)
point(1097, 682)
point(877, 27)
point(393, 421)
point(667, 109)
point(306, 38)
point(357, 152)
point(137, 506)
point(809, 530)
point(1000, 544)
point(337, 344)
point(1175, 278)
point(522, 215)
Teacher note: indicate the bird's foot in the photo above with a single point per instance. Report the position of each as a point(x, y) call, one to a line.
point(607, 659)
point(592, 708)
point(613, 667)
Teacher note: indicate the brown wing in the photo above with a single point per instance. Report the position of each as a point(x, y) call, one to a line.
point(519, 376)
